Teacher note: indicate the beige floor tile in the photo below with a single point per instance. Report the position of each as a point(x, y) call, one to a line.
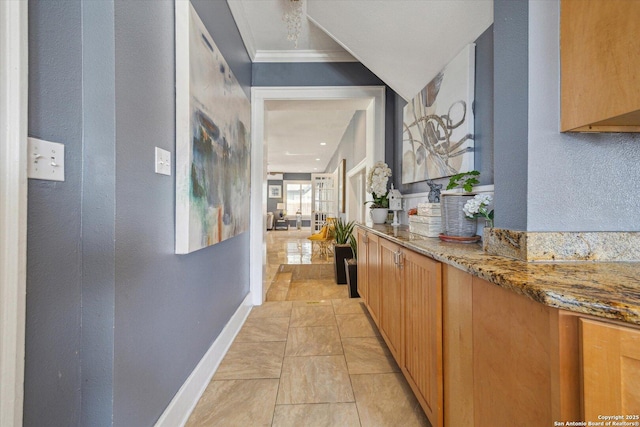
point(384, 399)
point(356, 326)
point(349, 306)
point(236, 403)
point(315, 303)
point(317, 415)
point(248, 360)
point(314, 379)
point(312, 316)
point(313, 341)
point(264, 329)
point(368, 355)
point(276, 294)
point(272, 309)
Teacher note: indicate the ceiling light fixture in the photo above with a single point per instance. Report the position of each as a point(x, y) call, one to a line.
point(293, 19)
point(323, 143)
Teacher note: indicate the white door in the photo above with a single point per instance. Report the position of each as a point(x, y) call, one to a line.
point(324, 199)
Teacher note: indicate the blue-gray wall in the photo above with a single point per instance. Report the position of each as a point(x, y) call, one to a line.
point(511, 90)
point(483, 121)
point(115, 321)
point(54, 247)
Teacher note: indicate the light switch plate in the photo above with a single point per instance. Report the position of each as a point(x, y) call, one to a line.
point(163, 161)
point(45, 160)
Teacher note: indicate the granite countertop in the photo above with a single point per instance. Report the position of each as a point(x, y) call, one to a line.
point(605, 289)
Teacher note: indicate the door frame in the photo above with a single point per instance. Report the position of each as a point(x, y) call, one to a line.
point(375, 143)
point(13, 207)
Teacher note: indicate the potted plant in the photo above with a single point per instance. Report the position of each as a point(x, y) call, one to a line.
point(351, 266)
point(377, 187)
point(455, 223)
point(342, 250)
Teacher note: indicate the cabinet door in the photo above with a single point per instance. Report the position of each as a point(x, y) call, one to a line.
point(600, 57)
point(391, 298)
point(423, 332)
point(373, 278)
point(610, 370)
point(363, 261)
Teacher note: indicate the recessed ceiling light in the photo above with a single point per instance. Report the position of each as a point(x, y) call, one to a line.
point(317, 160)
point(323, 143)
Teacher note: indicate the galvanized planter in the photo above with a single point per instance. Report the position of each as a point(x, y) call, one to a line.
point(455, 222)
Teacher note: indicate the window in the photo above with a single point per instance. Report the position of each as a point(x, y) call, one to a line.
point(298, 197)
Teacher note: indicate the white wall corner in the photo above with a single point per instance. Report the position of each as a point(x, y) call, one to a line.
point(179, 409)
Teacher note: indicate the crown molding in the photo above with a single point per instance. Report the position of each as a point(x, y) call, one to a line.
point(301, 55)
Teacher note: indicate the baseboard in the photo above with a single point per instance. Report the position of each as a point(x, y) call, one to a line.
point(185, 400)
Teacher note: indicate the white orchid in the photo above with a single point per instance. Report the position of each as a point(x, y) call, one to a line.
point(377, 184)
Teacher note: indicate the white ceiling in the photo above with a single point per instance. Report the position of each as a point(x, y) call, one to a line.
point(404, 42)
point(294, 131)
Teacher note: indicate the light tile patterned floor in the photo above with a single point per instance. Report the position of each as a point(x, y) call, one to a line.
point(316, 362)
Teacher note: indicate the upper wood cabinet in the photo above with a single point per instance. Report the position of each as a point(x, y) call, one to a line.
point(610, 370)
point(600, 65)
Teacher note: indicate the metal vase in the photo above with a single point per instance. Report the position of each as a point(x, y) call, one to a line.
point(455, 222)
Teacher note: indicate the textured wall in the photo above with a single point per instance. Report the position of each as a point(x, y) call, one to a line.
point(168, 308)
point(52, 360)
point(98, 210)
point(510, 112)
point(483, 121)
point(115, 320)
point(577, 182)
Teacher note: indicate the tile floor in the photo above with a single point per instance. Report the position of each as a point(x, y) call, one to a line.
point(310, 356)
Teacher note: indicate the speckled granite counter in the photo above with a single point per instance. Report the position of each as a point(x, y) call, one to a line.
point(603, 289)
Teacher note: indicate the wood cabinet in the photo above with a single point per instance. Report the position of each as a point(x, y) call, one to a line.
point(478, 354)
point(423, 364)
point(363, 263)
point(391, 298)
point(600, 63)
point(404, 297)
point(610, 370)
point(368, 272)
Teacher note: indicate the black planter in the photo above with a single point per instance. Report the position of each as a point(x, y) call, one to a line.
point(340, 253)
point(351, 266)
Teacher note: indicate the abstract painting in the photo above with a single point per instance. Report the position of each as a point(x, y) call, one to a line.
point(437, 138)
point(213, 144)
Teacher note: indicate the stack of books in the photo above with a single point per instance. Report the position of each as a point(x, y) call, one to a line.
point(428, 221)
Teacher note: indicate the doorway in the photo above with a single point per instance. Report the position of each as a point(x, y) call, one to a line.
point(375, 115)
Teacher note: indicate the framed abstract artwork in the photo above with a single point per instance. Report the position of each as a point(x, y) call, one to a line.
point(275, 191)
point(213, 144)
point(437, 136)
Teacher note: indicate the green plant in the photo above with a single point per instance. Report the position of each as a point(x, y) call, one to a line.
point(343, 230)
point(466, 180)
point(353, 242)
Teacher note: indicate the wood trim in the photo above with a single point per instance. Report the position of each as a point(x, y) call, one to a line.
point(13, 207)
point(602, 128)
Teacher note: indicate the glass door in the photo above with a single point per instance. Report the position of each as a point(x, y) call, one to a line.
point(324, 199)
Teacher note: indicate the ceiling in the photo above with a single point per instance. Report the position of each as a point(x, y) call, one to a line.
point(303, 135)
point(404, 42)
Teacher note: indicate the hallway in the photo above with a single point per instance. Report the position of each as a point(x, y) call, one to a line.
point(309, 356)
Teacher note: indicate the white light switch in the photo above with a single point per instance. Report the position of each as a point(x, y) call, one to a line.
point(46, 160)
point(163, 161)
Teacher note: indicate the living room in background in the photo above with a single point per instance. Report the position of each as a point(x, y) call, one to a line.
point(297, 198)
